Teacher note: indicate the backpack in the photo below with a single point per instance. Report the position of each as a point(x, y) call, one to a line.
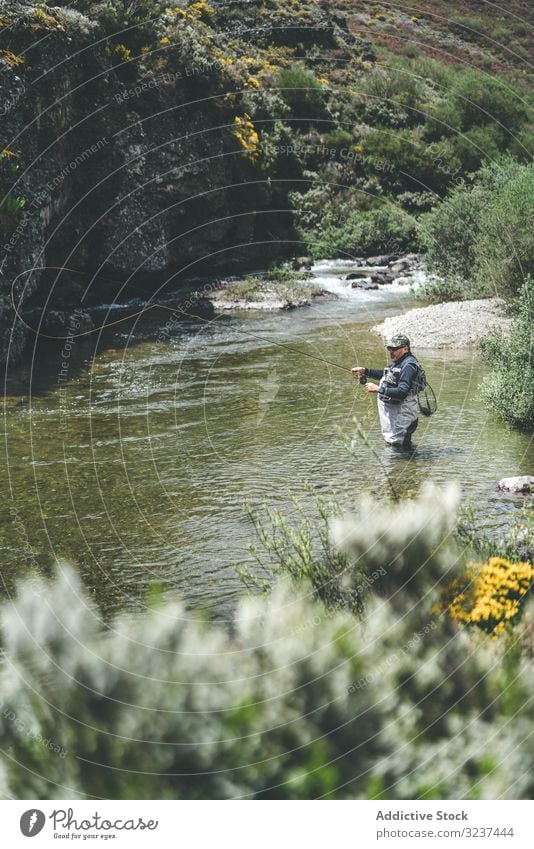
point(420, 382)
point(427, 400)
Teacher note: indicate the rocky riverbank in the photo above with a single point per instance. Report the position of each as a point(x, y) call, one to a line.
point(456, 324)
point(302, 283)
point(263, 293)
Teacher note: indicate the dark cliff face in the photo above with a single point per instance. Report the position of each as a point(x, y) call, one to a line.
point(109, 169)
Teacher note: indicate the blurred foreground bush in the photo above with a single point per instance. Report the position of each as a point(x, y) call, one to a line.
point(294, 699)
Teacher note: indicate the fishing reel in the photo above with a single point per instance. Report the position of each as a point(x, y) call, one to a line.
point(363, 379)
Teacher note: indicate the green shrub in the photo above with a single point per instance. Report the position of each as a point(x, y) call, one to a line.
point(444, 120)
point(470, 22)
point(303, 550)
point(504, 248)
point(396, 84)
point(477, 100)
point(450, 230)
point(508, 387)
point(482, 233)
point(335, 231)
point(411, 162)
point(522, 147)
point(391, 97)
point(437, 290)
point(302, 92)
point(472, 148)
point(482, 99)
point(338, 138)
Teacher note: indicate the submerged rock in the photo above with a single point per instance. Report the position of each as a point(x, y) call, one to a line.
point(360, 274)
point(383, 278)
point(364, 284)
point(384, 259)
point(302, 262)
point(521, 483)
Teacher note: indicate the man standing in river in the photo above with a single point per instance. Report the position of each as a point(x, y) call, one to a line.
point(397, 392)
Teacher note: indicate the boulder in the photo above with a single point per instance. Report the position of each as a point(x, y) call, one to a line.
point(357, 275)
point(300, 262)
point(522, 483)
point(384, 259)
point(363, 284)
point(382, 278)
point(398, 267)
point(404, 263)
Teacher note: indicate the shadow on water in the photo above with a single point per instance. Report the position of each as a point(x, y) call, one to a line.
point(423, 453)
point(39, 371)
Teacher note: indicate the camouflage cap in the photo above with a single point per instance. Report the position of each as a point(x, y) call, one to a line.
point(398, 341)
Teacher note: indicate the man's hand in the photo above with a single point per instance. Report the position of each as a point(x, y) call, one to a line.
point(371, 387)
point(358, 371)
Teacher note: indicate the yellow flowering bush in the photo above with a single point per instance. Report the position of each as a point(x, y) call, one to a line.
point(196, 11)
point(177, 12)
point(251, 82)
point(201, 9)
point(12, 59)
point(124, 52)
point(491, 594)
point(41, 17)
point(247, 136)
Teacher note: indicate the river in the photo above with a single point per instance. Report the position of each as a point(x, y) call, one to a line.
point(135, 459)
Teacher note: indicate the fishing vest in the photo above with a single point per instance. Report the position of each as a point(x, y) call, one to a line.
point(392, 375)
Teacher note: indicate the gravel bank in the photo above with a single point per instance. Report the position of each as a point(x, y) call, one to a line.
point(456, 324)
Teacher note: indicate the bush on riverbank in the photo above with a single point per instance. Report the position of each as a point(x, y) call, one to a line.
point(481, 234)
point(507, 388)
point(329, 227)
point(295, 700)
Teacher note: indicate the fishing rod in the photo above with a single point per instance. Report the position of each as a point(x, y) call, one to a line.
point(156, 305)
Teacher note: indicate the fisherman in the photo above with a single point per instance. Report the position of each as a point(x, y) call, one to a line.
point(397, 391)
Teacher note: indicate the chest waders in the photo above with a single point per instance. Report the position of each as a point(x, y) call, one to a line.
point(398, 419)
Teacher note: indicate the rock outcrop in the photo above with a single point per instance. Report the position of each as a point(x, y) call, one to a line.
point(135, 159)
point(521, 483)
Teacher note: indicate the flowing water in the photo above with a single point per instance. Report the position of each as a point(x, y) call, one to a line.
point(133, 459)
